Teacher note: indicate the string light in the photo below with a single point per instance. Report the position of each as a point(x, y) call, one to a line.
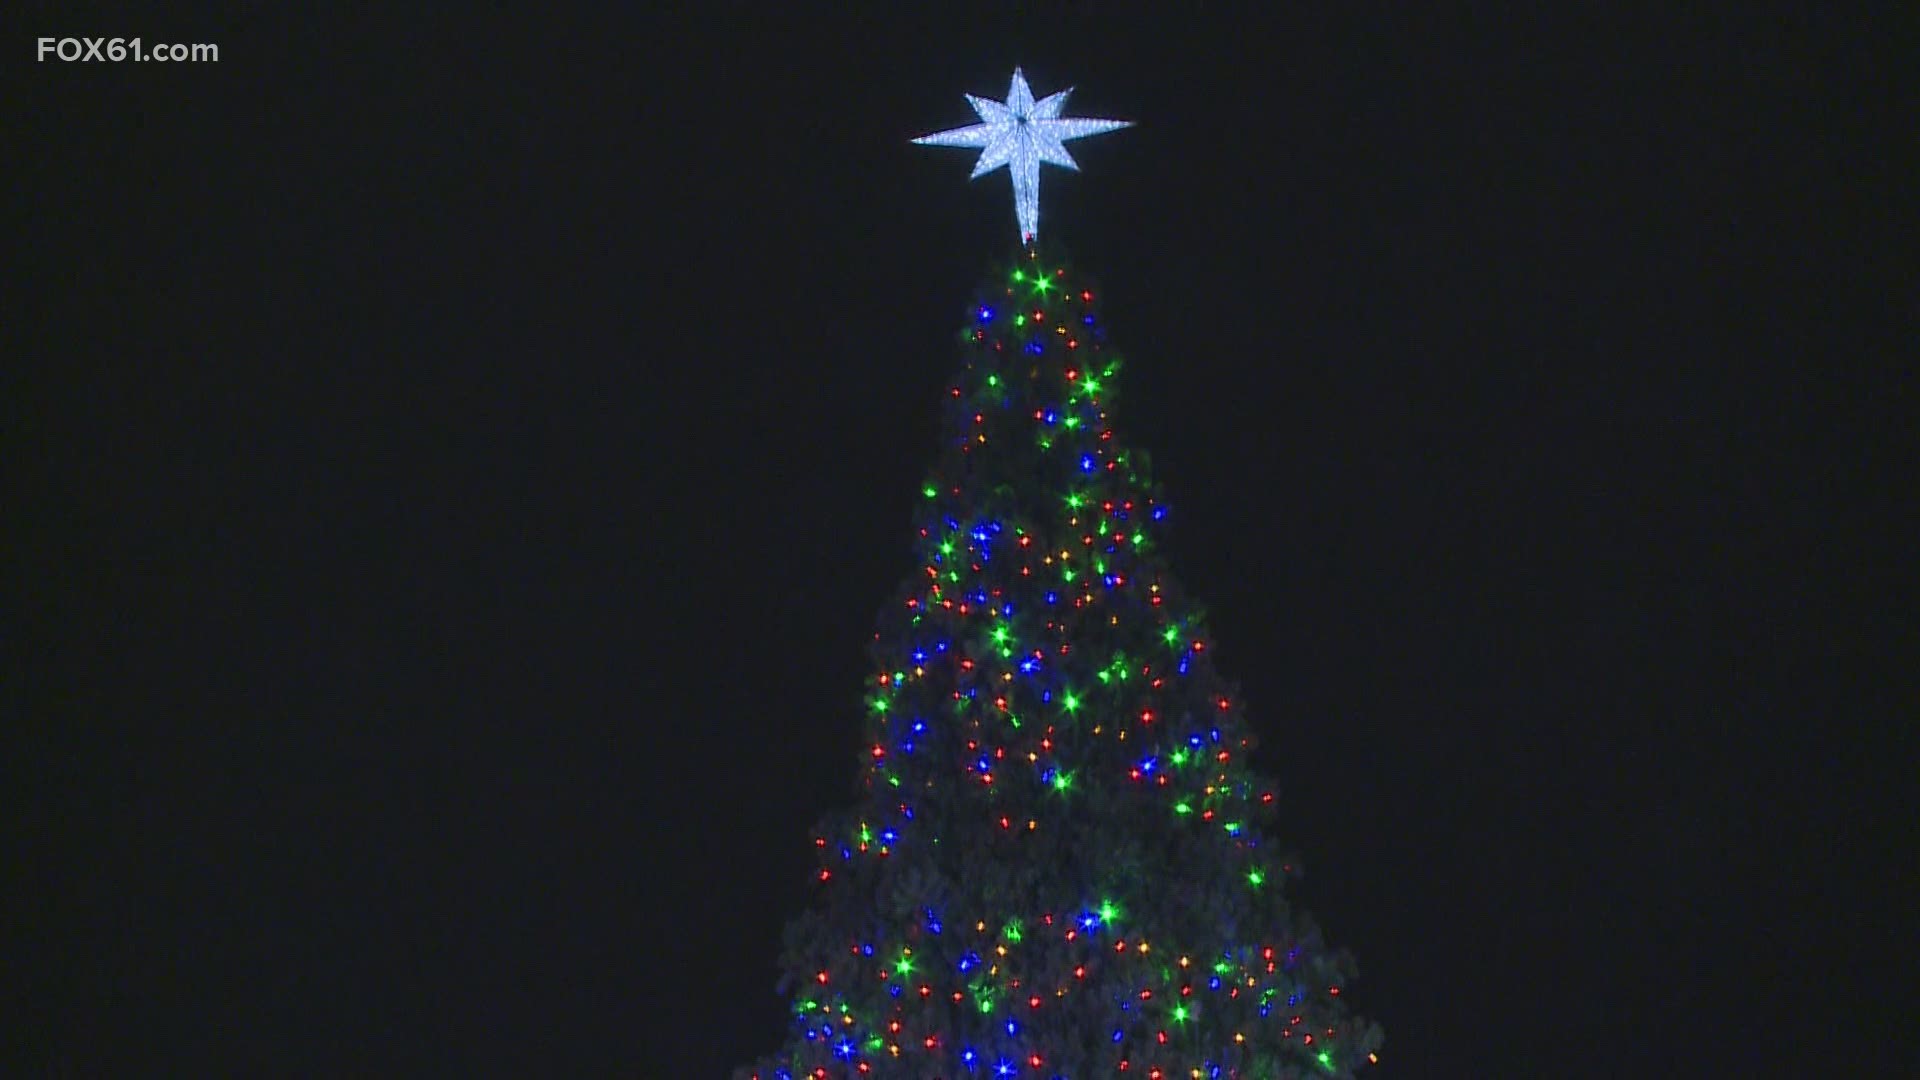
point(1044, 657)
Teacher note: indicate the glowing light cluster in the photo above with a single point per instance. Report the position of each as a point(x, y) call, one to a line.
point(1060, 833)
point(1021, 134)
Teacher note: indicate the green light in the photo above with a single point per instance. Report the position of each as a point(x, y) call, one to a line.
point(1012, 932)
point(1179, 1014)
point(1070, 701)
point(1135, 540)
point(1066, 575)
point(1255, 878)
point(1172, 635)
point(1326, 1061)
point(904, 966)
point(1222, 968)
point(1019, 320)
point(1041, 284)
point(1071, 422)
point(879, 705)
point(1076, 500)
point(1062, 780)
point(929, 491)
point(1108, 912)
point(1093, 387)
point(866, 835)
point(1182, 808)
point(1000, 634)
point(895, 781)
point(1178, 757)
point(1019, 275)
point(993, 380)
point(946, 547)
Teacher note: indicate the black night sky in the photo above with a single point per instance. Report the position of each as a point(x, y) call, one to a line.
point(462, 461)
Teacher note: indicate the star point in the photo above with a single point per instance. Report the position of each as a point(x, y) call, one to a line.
point(1022, 134)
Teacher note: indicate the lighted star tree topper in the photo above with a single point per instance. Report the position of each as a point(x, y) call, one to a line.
point(1021, 133)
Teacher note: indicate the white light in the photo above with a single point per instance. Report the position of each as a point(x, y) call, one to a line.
point(1020, 133)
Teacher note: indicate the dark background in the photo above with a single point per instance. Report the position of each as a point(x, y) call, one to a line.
point(456, 466)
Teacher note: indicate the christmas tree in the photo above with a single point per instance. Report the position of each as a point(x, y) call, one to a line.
point(1061, 864)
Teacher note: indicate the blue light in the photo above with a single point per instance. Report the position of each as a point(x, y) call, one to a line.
point(919, 656)
point(1184, 662)
point(1089, 920)
point(986, 313)
point(1086, 463)
point(1215, 733)
point(919, 726)
point(1006, 611)
point(1013, 1026)
point(866, 950)
point(1052, 597)
point(940, 646)
point(1046, 775)
point(1004, 1068)
point(889, 836)
point(1213, 983)
point(952, 524)
point(1148, 764)
point(844, 1049)
point(906, 746)
point(894, 990)
point(1046, 696)
point(1087, 319)
point(985, 764)
point(1118, 1034)
point(1035, 347)
point(968, 1057)
point(907, 812)
point(970, 961)
point(1193, 741)
point(1029, 666)
point(1159, 513)
point(1051, 416)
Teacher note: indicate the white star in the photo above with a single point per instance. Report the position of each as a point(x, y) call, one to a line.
point(1020, 133)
